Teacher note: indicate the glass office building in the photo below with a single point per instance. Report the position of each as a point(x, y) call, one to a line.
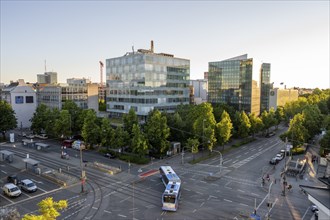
point(231, 82)
point(145, 80)
point(265, 87)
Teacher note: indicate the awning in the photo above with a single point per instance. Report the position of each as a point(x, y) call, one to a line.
point(31, 161)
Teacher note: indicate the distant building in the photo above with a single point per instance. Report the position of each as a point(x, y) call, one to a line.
point(234, 82)
point(145, 81)
point(47, 77)
point(199, 90)
point(278, 97)
point(265, 86)
point(80, 91)
point(22, 98)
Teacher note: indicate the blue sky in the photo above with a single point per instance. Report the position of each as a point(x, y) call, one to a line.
point(73, 36)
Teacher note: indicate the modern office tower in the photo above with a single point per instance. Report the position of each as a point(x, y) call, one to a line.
point(199, 90)
point(145, 81)
point(47, 77)
point(278, 97)
point(80, 91)
point(265, 86)
point(232, 82)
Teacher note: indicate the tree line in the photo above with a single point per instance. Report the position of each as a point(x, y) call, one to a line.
point(196, 127)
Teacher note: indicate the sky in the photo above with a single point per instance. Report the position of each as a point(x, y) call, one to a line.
point(73, 36)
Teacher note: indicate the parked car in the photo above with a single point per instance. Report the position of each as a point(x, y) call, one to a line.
point(108, 155)
point(67, 143)
point(28, 186)
point(41, 136)
point(273, 161)
point(30, 136)
point(78, 145)
point(270, 134)
point(279, 157)
point(13, 179)
point(11, 190)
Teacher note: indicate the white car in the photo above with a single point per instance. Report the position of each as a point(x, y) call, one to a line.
point(11, 190)
point(279, 157)
point(41, 136)
point(30, 136)
point(28, 186)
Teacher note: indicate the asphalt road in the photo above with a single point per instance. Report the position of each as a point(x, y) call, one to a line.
point(206, 193)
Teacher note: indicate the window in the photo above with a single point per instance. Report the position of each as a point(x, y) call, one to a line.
point(29, 99)
point(19, 99)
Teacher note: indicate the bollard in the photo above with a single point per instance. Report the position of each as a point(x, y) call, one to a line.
point(59, 170)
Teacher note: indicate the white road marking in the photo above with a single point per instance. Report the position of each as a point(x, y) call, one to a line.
point(124, 216)
point(202, 204)
point(107, 211)
point(194, 210)
point(94, 208)
point(243, 204)
point(124, 199)
point(227, 161)
point(227, 200)
point(240, 190)
point(254, 194)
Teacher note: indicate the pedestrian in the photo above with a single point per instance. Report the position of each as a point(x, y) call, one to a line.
point(275, 180)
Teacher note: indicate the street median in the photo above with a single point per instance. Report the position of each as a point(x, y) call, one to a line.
point(105, 168)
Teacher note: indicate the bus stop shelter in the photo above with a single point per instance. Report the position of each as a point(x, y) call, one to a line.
point(42, 146)
point(29, 142)
point(6, 155)
point(31, 164)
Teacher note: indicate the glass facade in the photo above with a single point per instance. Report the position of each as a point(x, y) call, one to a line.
point(146, 81)
point(265, 87)
point(231, 82)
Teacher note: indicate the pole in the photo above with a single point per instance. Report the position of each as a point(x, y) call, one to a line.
point(269, 204)
point(82, 172)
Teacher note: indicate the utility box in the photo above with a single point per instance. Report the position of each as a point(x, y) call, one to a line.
point(12, 137)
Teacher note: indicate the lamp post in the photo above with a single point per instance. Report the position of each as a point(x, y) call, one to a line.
point(269, 203)
point(203, 132)
point(220, 159)
point(83, 176)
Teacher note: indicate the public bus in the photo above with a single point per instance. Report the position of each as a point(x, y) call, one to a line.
point(171, 195)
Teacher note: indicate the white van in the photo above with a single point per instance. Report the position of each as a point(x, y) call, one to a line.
point(11, 190)
point(78, 145)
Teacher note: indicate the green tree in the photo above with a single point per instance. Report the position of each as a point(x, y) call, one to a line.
point(40, 119)
point(297, 133)
point(157, 132)
point(54, 115)
point(49, 210)
point(204, 125)
point(139, 143)
point(325, 143)
point(91, 130)
point(177, 126)
point(256, 124)
point(62, 125)
point(312, 122)
point(129, 120)
point(192, 146)
point(74, 112)
point(268, 119)
point(102, 106)
point(107, 133)
point(121, 138)
point(224, 129)
point(8, 120)
point(244, 125)
point(279, 115)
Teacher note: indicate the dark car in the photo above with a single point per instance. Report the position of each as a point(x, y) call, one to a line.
point(13, 179)
point(108, 155)
point(270, 134)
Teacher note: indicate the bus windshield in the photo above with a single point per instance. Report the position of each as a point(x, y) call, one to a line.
point(169, 198)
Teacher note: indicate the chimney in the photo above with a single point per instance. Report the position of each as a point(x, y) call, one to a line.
point(152, 46)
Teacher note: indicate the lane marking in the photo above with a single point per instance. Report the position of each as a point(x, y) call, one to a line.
point(124, 199)
point(243, 204)
point(107, 211)
point(202, 204)
point(120, 215)
point(227, 161)
point(227, 200)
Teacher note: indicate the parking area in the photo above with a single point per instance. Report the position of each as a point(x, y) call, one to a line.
point(43, 185)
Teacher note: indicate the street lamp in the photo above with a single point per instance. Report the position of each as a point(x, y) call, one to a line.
point(203, 132)
point(83, 175)
point(220, 158)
